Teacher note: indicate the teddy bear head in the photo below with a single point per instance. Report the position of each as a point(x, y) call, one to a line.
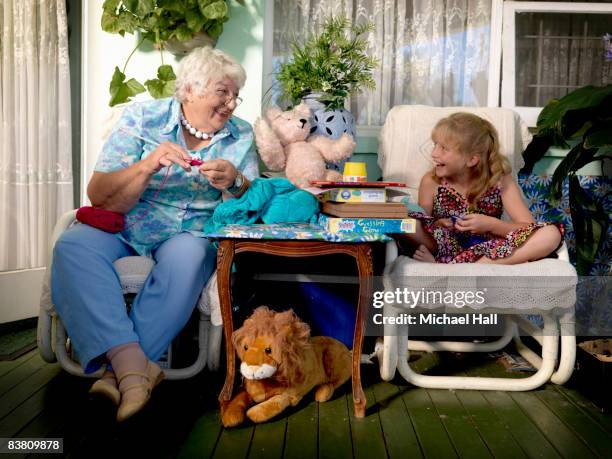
point(292, 125)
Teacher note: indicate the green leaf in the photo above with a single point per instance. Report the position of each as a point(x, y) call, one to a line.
point(110, 22)
point(195, 20)
point(216, 10)
point(172, 5)
point(536, 149)
point(120, 90)
point(215, 29)
point(599, 137)
point(145, 7)
point(563, 170)
point(183, 33)
point(158, 88)
point(551, 118)
point(110, 5)
point(590, 223)
point(166, 73)
point(164, 85)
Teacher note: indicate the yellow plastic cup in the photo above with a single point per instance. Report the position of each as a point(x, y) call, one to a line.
point(355, 172)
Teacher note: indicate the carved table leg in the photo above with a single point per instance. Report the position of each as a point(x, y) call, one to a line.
point(225, 257)
point(364, 266)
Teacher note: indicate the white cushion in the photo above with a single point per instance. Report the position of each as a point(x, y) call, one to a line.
point(527, 287)
point(405, 139)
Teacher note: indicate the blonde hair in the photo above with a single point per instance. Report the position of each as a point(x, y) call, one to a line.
point(203, 65)
point(472, 135)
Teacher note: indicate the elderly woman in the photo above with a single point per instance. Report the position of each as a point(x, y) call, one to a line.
point(144, 172)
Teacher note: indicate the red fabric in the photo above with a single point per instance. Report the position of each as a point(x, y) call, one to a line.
point(106, 220)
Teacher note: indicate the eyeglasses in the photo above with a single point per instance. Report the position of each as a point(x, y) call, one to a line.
point(227, 96)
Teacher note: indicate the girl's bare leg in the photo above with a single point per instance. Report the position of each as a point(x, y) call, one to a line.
point(542, 242)
point(422, 253)
point(419, 238)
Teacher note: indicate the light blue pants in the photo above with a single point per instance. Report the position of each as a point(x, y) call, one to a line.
point(87, 294)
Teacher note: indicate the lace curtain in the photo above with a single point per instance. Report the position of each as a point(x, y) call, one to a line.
point(432, 52)
point(35, 136)
point(557, 53)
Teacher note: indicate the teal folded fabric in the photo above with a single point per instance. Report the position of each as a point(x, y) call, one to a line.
point(274, 200)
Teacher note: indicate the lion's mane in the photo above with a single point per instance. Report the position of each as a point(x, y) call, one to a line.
point(290, 338)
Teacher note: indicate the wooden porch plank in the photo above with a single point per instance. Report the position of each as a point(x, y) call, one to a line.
point(234, 442)
point(21, 373)
point(459, 425)
point(334, 429)
point(563, 438)
point(31, 384)
point(203, 437)
point(397, 428)
point(23, 414)
point(493, 430)
point(269, 439)
point(9, 365)
point(301, 438)
point(428, 426)
point(589, 431)
point(368, 441)
point(525, 432)
point(587, 406)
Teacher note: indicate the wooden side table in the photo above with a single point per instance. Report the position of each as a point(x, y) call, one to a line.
point(360, 251)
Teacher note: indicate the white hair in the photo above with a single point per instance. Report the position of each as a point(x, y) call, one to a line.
point(203, 65)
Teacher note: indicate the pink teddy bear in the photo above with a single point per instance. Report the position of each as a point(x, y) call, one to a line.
point(281, 141)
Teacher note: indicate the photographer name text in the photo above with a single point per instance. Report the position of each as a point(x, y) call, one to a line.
point(436, 319)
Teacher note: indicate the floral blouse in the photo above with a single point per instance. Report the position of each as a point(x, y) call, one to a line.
point(186, 200)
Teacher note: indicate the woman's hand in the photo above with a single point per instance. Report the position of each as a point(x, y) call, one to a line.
point(167, 154)
point(220, 173)
point(475, 223)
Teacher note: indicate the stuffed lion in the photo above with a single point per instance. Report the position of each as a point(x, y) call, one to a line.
point(281, 363)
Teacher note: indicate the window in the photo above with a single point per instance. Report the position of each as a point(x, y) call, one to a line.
point(550, 49)
point(433, 52)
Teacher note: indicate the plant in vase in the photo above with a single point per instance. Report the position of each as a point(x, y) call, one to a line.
point(582, 118)
point(169, 24)
point(325, 69)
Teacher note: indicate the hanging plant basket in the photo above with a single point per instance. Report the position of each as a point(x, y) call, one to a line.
point(182, 48)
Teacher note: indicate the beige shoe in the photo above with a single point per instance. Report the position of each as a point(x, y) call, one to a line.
point(140, 393)
point(107, 389)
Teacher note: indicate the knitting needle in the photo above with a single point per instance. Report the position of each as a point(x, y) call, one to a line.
point(192, 162)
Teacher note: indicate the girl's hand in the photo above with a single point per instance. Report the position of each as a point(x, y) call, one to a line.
point(475, 223)
point(167, 154)
point(220, 173)
point(444, 223)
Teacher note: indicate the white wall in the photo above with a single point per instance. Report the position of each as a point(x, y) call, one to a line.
point(102, 51)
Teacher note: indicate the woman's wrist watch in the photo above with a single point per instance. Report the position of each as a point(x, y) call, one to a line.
point(239, 185)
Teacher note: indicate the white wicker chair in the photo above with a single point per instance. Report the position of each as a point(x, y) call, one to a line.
point(546, 287)
point(133, 271)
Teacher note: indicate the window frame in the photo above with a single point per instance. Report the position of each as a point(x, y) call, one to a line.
point(510, 10)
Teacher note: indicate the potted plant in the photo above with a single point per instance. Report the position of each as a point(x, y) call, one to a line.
point(168, 24)
point(583, 119)
point(328, 67)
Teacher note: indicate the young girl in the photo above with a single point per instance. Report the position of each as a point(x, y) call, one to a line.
point(464, 197)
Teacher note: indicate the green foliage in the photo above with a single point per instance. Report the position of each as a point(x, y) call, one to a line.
point(333, 62)
point(163, 85)
point(159, 21)
point(121, 90)
point(584, 118)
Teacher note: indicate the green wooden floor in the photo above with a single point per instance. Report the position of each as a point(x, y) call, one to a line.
point(40, 400)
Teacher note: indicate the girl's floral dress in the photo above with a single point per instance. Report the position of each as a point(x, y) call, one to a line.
point(459, 247)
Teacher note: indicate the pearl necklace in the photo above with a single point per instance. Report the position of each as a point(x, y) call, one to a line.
point(193, 131)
